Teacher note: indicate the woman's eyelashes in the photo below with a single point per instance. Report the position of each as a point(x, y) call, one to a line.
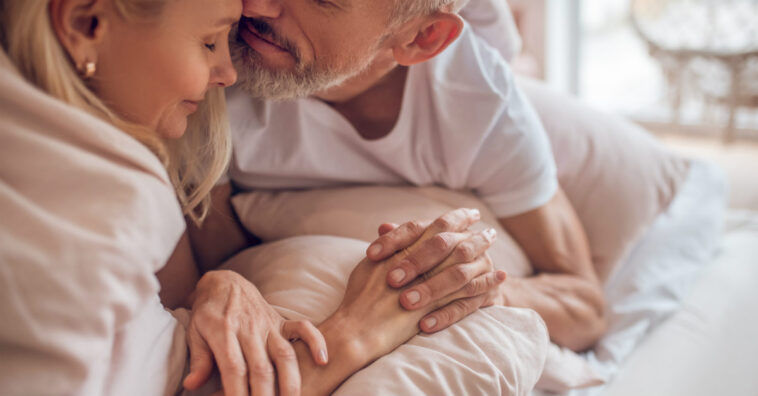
point(211, 47)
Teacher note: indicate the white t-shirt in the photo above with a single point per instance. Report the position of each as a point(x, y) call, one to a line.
point(463, 125)
point(492, 20)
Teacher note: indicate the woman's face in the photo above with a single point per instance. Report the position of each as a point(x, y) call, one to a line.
point(154, 73)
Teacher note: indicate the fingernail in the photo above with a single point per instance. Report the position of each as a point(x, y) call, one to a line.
point(430, 322)
point(490, 233)
point(501, 275)
point(374, 249)
point(413, 297)
point(323, 356)
point(397, 275)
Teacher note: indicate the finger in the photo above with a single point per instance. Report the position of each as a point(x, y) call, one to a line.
point(397, 239)
point(434, 256)
point(450, 314)
point(412, 232)
point(285, 359)
point(386, 227)
point(306, 331)
point(451, 280)
point(260, 372)
point(231, 364)
point(201, 360)
point(428, 255)
point(457, 220)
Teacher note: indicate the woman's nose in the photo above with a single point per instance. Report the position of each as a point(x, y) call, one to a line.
point(224, 75)
point(261, 8)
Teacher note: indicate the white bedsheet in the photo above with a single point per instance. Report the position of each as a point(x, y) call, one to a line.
point(710, 346)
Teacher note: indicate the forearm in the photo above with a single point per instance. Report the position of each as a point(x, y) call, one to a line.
point(346, 356)
point(572, 307)
point(221, 235)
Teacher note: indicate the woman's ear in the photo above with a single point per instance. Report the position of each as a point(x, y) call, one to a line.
point(432, 36)
point(80, 26)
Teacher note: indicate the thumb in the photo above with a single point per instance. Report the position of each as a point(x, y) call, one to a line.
point(201, 361)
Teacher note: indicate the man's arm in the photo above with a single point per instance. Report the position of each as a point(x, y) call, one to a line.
point(221, 235)
point(565, 289)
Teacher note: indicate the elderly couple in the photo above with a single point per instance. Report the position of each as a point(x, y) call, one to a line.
point(328, 92)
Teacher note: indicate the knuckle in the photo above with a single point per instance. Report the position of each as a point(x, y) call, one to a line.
point(466, 252)
point(439, 242)
point(460, 309)
point(284, 352)
point(237, 369)
point(472, 289)
point(443, 223)
point(414, 228)
point(460, 274)
point(262, 370)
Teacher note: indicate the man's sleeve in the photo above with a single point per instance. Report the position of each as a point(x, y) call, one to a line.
point(492, 21)
point(514, 169)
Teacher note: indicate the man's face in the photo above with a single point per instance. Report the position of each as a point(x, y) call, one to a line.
point(291, 48)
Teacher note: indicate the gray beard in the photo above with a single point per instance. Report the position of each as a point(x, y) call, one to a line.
point(262, 82)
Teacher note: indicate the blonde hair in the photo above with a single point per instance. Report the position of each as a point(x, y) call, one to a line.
point(194, 162)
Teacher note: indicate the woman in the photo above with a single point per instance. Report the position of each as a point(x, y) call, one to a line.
point(154, 69)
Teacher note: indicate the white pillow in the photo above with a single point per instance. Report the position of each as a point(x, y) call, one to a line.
point(650, 285)
point(496, 351)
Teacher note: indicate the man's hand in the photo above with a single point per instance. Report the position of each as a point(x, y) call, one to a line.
point(234, 326)
point(468, 276)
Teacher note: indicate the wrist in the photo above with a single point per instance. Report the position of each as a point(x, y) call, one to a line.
point(347, 354)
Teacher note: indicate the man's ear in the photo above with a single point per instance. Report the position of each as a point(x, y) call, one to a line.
point(433, 35)
point(80, 26)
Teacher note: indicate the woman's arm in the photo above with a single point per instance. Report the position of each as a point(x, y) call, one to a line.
point(370, 323)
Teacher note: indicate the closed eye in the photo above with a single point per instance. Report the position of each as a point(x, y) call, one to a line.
point(211, 47)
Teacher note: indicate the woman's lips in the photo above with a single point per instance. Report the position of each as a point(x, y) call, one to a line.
point(191, 106)
point(258, 42)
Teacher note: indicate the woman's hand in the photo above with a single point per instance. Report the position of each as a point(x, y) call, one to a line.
point(467, 275)
point(446, 248)
point(234, 326)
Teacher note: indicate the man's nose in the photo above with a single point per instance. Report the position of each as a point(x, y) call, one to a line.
point(262, 8)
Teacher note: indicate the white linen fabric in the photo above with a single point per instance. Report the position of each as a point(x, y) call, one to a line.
point(650, 285)
point(709, 346)
point(88, 215)
point(496, 351)
point(464, 125)
point(492, 20)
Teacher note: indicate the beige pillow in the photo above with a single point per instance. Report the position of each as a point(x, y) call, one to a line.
point(356, 213)
point(617, 176)
point(496, 351)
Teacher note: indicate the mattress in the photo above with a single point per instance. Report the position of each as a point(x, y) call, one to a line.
point(709, 346)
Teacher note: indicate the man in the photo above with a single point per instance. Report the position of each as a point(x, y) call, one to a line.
point(402, 92)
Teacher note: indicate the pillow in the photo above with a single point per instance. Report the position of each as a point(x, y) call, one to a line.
point(661, 270)
point(496, 351)
point(356, 212)
point(617, 176)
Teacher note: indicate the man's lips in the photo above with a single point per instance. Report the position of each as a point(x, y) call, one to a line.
point(256, 41)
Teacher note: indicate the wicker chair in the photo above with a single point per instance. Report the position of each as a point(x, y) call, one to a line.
point(695, 42)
